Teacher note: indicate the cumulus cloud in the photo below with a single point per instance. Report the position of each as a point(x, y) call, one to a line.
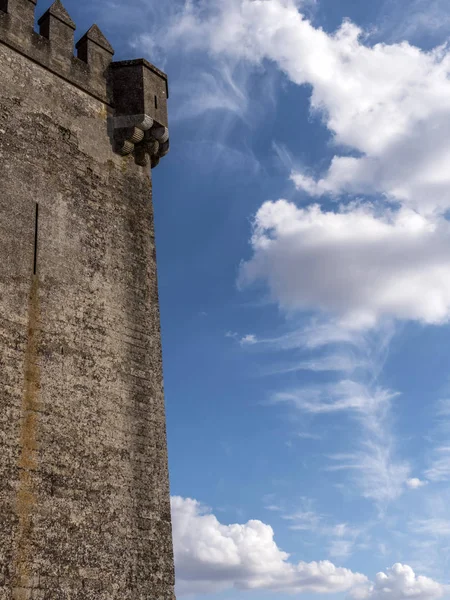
point(400, 582)
point(386, 107)
point(355, 264)
point(387, 102)
point(210, 557)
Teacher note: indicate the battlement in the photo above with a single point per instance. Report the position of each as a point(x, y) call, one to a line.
point(135, 91)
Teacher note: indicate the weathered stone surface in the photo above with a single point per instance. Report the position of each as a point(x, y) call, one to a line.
point(84, 487)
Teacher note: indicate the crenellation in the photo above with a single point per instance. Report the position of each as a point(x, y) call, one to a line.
point(95, 50)
point(53, 46)
point(22, 10)
point(57, 26)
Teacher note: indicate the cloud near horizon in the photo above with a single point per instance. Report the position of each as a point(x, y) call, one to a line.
point(212, 557)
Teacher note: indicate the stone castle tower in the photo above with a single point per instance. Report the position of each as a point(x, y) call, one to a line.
point(84, 490)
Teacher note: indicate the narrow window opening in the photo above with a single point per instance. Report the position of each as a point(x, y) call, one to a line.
point(156, 102)
point(36, 231)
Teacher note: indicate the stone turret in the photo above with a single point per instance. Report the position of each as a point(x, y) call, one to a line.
point(140, 93)
point(84, 485)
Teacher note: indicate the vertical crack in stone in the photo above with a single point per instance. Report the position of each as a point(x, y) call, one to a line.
point(26, 497)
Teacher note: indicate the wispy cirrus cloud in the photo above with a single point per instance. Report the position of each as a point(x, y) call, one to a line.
point(371, 460)
point(439, 470)
point(340, 540)
point(439, 462)
point(425, 20)
point(434, 527)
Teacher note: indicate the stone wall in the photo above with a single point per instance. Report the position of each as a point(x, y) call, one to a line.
point(84, 487)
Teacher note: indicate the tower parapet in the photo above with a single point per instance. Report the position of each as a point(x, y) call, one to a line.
point(135, 92)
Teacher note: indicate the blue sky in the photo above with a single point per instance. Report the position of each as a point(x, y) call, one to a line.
point(304, 267)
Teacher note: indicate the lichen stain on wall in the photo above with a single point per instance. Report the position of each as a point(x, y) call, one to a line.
point(28, 463)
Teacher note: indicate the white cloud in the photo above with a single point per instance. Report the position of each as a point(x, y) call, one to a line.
point(210, 557)
point(273, 508)
point(315, 335)
point(400, 582)
point(220, 89)
point(341, 538)
point(249, 340)
point(304, 520)
point(356, 265)
point(375, 469)
point(245, 340)
point(414, 483)
point(387, 102)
